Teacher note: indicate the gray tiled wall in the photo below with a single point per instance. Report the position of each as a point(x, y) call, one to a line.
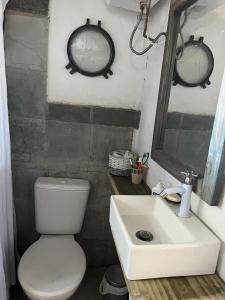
point(58, 140)
point(187, 138)
point(31, 6)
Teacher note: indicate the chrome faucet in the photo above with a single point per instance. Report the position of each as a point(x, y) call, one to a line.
point(185, 191)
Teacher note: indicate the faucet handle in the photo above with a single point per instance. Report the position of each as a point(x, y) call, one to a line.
point(189, 177)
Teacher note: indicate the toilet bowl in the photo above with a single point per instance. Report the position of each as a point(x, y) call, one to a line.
point(53, 267)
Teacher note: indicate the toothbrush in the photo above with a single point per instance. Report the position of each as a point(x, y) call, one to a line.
point(139, 164)
point(131, 163)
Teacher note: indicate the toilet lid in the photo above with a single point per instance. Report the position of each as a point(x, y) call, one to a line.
point(52, 267)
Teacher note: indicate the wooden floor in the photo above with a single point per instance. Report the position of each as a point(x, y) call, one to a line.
point(208, 287)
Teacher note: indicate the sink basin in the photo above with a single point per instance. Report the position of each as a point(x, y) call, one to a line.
point(180, 246)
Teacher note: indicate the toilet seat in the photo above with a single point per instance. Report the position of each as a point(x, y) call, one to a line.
point(52, 268)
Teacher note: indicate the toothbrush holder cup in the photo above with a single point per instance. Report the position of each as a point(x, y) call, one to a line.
point(137, 175)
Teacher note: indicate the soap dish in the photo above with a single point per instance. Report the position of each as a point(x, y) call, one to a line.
point(175, 198)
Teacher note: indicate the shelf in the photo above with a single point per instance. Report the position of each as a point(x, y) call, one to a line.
point(207, 287)
point(124, 186)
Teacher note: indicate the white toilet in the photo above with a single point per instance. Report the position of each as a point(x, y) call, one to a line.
point(53, 267)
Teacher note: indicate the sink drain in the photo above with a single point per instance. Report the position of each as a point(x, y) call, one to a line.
point(144, 235)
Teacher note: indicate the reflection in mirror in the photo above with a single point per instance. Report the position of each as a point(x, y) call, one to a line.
point(194, 63)
point(191, 110)
point(189, 132)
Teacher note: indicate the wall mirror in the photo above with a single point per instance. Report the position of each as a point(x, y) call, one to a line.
point(190, 120)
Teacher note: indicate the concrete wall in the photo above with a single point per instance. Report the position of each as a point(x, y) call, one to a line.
point(187, 139)
point(57, 140)
point(31, 6)
point(212, 216)
point(210, 25)
point(124, 88)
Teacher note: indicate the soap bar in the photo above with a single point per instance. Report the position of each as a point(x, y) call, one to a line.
point(174, 198)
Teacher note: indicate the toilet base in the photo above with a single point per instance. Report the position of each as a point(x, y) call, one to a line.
point(64, 297)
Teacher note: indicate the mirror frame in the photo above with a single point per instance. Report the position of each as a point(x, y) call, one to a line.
point(73, 67)
point(211, 185)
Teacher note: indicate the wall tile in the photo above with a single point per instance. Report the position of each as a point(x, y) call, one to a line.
point(27, 138)
point(174, 120)
point(190, 147)
point(68, 143)
point(107, 139)
point(96, 222)
point(99, 252)
point(26, 41)
point(197, 122)
point(32, 6)
point(23, 190)
point(94, 115)
point(100, 189)
point(116, 117)
point(67, 174)
point(26, 92)
point(69, 113)
point(171, 139)
point(193, 149)
point(189, 139)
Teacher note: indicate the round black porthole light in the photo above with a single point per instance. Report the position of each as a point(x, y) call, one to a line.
point(194, 64)
point(90, 51)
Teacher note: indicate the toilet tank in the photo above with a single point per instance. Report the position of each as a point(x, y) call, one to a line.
point(60, 205)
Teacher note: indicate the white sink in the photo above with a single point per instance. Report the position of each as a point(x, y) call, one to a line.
point(180, 246)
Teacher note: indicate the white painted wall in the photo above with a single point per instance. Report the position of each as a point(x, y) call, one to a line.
point(124, 88)
point(214, 217)
point(133, 5)
point(211, 26)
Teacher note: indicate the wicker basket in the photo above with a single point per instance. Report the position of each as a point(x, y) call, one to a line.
point(119, 162)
